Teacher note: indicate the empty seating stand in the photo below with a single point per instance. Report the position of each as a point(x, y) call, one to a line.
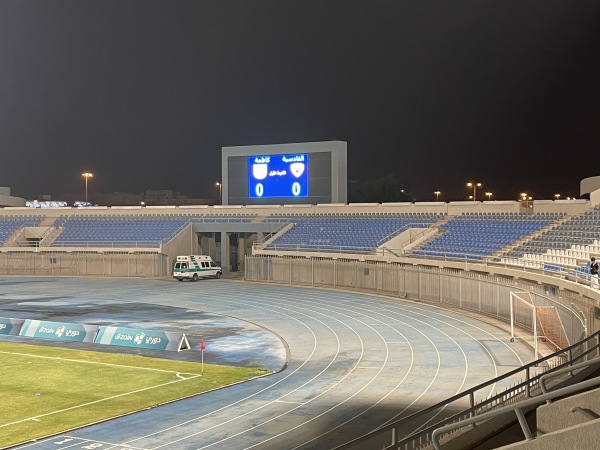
point(475, 236)
point(565, 247)
point(351, 233)
point(131, 230)
point(124, 231)
point(10, 224)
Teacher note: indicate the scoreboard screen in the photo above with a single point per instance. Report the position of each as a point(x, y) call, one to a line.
point(300, 173)
point(278, 176)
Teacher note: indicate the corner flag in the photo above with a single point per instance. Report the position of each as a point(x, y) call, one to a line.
point(202, 347)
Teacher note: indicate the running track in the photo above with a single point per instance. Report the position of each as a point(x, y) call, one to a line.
point(356, 362)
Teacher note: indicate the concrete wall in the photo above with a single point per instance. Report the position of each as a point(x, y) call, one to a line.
point(97, 263)
point(579, 437)
point(185, 243)
point(557, 415)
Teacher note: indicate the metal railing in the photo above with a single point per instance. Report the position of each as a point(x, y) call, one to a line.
point(423, 435)
point(105, 244)
point(421, 225)
point(569, 369)
point(322, 248)
point(518, 409)
point(263, 242)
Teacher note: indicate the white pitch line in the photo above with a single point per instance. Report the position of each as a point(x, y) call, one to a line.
point(79, 440)
point(96, 401)
point(94, 362)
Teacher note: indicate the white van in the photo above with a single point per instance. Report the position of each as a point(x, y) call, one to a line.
point(192, 267)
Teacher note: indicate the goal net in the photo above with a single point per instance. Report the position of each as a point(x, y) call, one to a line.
point(543, 321)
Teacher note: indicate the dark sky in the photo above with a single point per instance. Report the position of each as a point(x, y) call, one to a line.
point(437, 93)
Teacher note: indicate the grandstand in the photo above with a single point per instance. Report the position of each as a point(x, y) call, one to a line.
point(561, 238)
point(483, 234)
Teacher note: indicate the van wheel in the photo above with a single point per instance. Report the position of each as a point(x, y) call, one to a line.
point(179, 279)
point(218, 275)
point(195, 277)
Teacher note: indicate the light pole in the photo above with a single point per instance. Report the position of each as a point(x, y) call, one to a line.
point(87, 176)
point(220, 192)
point(556, 196)
point(489, 195)
point(437, 195)
point(526, 199)
point(474, 186)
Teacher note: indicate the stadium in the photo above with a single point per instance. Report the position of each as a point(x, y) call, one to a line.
point(284, 227)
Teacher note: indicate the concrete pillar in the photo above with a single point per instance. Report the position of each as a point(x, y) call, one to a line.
point(224, 251)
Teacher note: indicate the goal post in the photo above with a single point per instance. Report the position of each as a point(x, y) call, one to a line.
point(520, 304)
point(544, 321)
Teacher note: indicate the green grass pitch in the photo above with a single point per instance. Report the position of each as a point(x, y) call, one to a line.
point(46, 390)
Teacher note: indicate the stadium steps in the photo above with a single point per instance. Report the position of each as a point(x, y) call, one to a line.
point(51, 236)
point(441, 231)
point(280, 232)
point(48, 221)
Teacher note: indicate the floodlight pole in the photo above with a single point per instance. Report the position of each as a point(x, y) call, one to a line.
point(474, 185)
point(220, 192)
point(86, 176)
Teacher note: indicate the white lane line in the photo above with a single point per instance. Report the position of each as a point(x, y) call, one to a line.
point(315, 377)
point(248, 397)
point(339, 403)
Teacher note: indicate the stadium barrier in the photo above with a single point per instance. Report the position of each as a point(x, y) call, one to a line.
point(62, 331)
point(10, 326)
point(141, 338)
point(479, 292)
point(94, 262)
point(108, 335)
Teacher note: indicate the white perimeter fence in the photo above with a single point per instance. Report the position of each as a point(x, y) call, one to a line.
point(122, 264)
point(473, 291)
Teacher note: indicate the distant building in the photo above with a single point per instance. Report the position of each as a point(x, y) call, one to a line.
point(117, 199)
point(164, 197)
point(152, 197)
point(7, 200)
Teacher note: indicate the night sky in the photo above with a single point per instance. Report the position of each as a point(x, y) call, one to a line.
point(436, 93)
